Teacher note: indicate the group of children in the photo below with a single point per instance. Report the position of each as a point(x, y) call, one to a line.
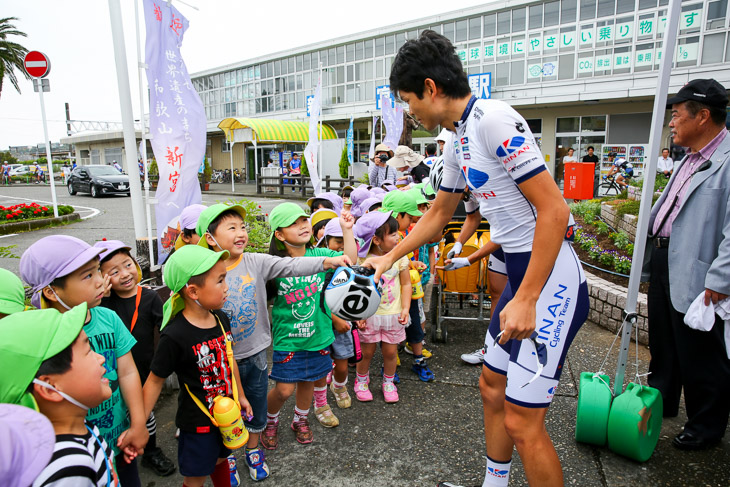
point(88, 356)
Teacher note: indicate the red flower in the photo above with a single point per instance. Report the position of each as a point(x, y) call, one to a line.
point(35, 212)
point(45, 209)
point(8, 216)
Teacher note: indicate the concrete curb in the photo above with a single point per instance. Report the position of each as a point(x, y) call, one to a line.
point(28, 225)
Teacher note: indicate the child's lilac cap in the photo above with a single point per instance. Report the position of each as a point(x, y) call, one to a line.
point(358, 195)
point(52, 257)
point(331, 197)
point(377, 191)
point(332, 229)
point(189, 216)
point(365, 205)
point(365, 228)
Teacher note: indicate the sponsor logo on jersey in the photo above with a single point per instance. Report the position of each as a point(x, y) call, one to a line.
point(551, 392)
point(464, 140)
point(475, 179)
point(510, 145)
point(478, 113)
point(519, 127)
point(486, 196)
point(552, 329)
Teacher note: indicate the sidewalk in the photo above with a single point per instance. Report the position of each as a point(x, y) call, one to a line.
point(436, 431)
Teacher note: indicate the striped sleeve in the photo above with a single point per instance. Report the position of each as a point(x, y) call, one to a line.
point(76, 461)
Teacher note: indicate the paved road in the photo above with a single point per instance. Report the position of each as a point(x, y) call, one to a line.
point(435, 432)
point(107, 217)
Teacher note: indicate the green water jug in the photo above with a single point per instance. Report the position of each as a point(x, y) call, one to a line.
point(594, 405)
point(635, 422)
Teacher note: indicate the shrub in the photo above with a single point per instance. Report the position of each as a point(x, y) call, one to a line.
point(344, 164)
point(30, 211)
point(601, 227)
point(620, 239)
point(630, 207)
point(8, 252)
point(607, 258)
point(630, 249)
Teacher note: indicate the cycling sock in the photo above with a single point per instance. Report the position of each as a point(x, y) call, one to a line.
point(320, 397)
point(497, 473)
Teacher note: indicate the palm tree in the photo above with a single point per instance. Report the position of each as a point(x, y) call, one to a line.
point(11, 53)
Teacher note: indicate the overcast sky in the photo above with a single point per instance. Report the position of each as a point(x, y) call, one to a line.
point(76, 36)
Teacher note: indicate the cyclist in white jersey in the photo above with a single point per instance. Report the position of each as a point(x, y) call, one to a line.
point(546, 300)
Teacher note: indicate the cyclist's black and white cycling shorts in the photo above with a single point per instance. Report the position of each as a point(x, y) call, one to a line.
point(496, 262)
point(561, 310)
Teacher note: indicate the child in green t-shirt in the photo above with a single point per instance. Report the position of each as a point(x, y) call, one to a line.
point(302, 329)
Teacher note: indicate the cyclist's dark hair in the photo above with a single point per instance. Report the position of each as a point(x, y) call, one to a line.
point(430, 56)
point(430, 149)
point(718, 115)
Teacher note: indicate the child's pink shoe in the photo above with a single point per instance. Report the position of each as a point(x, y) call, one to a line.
point(390, 392)
point(362, 392)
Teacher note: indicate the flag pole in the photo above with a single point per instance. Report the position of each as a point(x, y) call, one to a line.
point(125, 102)
point(140, 67)
point(319, 149)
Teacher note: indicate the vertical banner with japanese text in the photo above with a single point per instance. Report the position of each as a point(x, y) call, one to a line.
point(177, 120)
point(310, 152)
point(393, 120)
point(350, 141)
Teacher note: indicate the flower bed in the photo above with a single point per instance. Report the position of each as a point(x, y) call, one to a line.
point(32, 211)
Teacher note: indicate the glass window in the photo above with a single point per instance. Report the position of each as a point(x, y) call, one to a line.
point(490, 22)
point(332, 56)
point(340, 54)
point(390, 45)
point(536, 16)
point(400, 39)
point(727, 49)
point(647, 4)
point(587, 9)
point(552, 13)
point(449, 31)
point(368, 49)
point(550, 40)
point(350, 73)
point(379, 46)
point(350, 53)
point(606, 7)
point(461, 30)
point(712, 48)
point(716, 14)
point(307, 80)
point(359, 49)
point(292, 65)
point(284, 66)
point(436, 28)
point(593, 124)
point(568, 9)
point(277, 68)
point(368, 70)
point(412, 34)
point(550, 64)
point(517, 72)
point(518, 47)
point(503, 22)
point(623, 6)
point(340, 74)
point(379, 72)
point(502, 74)
point(300, 62)
point(566, 67)
point(306, 62)
point(518, 19)
point(568, 124)
point(290, 80)
point(475, 28)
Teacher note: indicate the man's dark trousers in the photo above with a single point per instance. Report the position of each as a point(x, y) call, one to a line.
point(685, 358)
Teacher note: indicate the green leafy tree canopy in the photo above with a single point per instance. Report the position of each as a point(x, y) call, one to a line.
point(11, 53)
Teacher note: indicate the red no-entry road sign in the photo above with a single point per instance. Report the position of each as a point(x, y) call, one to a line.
point(37, 64)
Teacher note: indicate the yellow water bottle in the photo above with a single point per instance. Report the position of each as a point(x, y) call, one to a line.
point(416, 284)
point(230, 423)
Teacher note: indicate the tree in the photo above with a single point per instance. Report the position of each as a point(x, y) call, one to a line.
point(7, 156)
point(11, 53)
point(344, 163)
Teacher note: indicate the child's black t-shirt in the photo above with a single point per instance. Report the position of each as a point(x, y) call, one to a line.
point(198, 356)
point(149, 319)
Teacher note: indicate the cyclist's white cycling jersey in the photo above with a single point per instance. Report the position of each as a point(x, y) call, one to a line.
point(493, 151)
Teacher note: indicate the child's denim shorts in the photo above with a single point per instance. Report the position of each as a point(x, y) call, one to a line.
point(342, 347)
point(301, 366)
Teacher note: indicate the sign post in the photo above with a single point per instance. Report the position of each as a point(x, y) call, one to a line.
point(37, 65)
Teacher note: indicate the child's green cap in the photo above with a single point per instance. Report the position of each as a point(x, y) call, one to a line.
point(400, 202)
point(211, 213)
point(284, 215)
point(189, 261)
point(12, 293)
point(29, 338)
point(417, 196)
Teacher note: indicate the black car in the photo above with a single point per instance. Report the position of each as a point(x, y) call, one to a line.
point(98, 180)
